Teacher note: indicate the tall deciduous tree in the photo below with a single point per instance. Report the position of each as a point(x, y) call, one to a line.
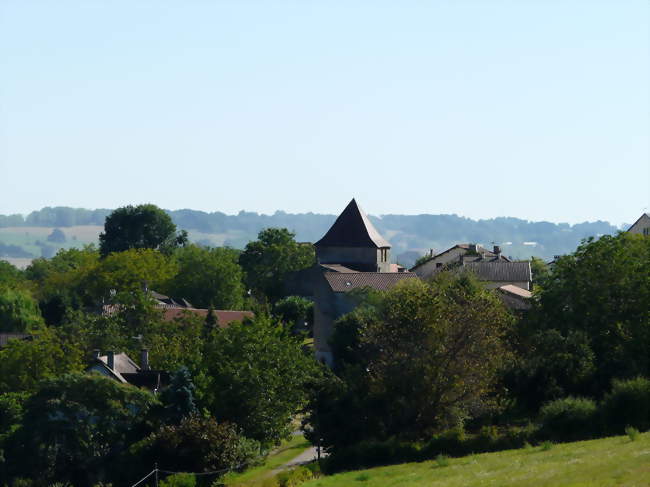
point(23, 363)
point(139, 227)
point(257, 374)
point(422, 358)
point(592, 318)
point(268, 260)
point(197, 444)
point(18, 310)
point(75, 427)
point(132, 270)
point(64, 282)
point(208, 276)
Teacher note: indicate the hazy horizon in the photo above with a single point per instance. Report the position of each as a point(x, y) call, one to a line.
point(306, 212)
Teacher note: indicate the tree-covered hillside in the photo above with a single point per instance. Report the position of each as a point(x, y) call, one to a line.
point(410, 235)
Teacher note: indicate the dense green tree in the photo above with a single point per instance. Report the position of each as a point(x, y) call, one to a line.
point(257, 373)
point(590, 323)
point(18, 310)
point(64, 282)
point(10, 275)
point(65, 260)
point(11, 414)
point(540, 271)
point(196, 444)
point(178, 397)
point(268, 261)
point(296, 312)
point(551, 366)
point(76, 428)
point(23, 363)
point(208, 276)
point(417, 360)
point(211, 322)
point(128, 272)
point(139, 227)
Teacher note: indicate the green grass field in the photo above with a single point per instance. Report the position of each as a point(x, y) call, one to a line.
point(615, 461)
point(287, 452)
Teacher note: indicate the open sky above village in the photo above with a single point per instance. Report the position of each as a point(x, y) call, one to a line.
point(536, 109)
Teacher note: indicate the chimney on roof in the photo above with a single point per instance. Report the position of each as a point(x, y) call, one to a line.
point(110, 359)
point(96, 354)
point(497, 250)
point(144, 359)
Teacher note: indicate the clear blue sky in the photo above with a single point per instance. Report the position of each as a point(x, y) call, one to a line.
point(486, 108)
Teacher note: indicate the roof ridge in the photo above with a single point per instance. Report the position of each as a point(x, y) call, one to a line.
point(352, 228)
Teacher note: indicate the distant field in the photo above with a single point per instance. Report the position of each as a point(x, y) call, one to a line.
point(616, 461)
point(82, 233)
point(232, 238)
point(28, 237)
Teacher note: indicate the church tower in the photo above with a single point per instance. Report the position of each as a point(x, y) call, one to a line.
point(354, 242)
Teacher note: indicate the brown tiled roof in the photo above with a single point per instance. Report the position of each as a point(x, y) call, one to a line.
point(352, 229)
point(171, 312)
point(224, 317)
point(382, 281)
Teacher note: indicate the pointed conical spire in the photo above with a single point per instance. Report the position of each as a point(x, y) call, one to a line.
point(353, 229)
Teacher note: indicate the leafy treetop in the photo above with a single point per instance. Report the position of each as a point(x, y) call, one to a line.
point(139, 227)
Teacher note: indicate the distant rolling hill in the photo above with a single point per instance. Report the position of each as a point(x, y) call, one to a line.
point(410, 235)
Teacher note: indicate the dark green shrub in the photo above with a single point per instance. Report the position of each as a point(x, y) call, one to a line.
point(518, 436)
point(371, 454)
point(627, 405)
point(294, 477)
point(452, 442)
point(442, 460)
point(488, 439)
point(632, 433)
point(546, 445)
point(569, 419)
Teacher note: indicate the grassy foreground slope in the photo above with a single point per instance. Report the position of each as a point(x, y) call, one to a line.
point(287, 451)
point(615, 461)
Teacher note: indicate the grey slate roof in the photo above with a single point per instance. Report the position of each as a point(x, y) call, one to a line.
point(382, 281)
point(479, 249)
point(122, 363)
point(352, 229)
point(500, 271)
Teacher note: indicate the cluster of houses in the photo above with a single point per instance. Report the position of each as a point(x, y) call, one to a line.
point(351, 255)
